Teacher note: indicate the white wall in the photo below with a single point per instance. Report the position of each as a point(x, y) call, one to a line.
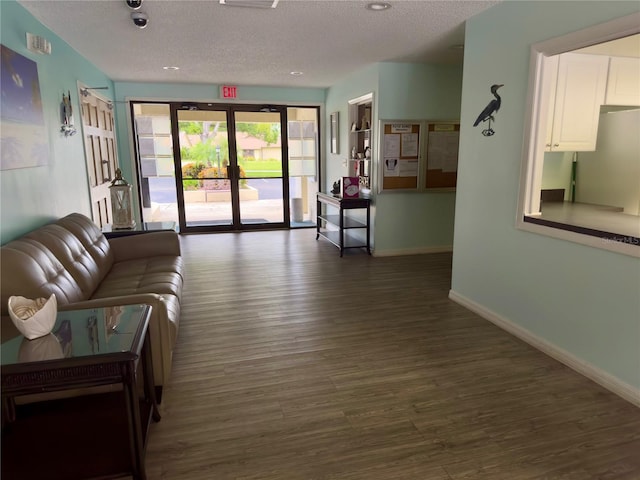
point(611, 175)
point(556, 172)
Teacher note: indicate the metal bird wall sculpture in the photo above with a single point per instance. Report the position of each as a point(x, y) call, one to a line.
point(489, 111)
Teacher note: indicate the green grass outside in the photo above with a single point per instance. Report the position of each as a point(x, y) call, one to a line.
point(262, 168)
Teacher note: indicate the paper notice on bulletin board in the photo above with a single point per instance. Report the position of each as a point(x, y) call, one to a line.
point(401, 128)
point(408, 168)
point(392, 145)
point(409, 145)
point(442, 155)
point(391, 168)
point(442, 151)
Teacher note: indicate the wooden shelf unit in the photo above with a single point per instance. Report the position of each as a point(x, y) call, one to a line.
point(361, 139)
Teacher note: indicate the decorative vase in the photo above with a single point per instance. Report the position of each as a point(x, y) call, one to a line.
point(33, 318)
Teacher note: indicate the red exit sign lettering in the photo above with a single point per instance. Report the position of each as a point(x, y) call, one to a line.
point(228, 91)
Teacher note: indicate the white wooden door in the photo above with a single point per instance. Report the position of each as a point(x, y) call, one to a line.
point(100, 153)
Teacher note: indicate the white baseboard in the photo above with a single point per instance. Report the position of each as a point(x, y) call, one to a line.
point(608, 381)
point(412, 251)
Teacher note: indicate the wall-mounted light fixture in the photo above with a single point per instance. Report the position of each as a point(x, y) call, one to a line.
point(66, 116)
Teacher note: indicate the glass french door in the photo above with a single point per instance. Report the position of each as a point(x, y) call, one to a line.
point(210, 167)
point(230, 167)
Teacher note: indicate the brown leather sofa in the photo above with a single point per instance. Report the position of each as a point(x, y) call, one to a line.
point(73, 259)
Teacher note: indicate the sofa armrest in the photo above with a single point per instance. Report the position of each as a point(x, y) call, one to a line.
point(159, 328)
point(147, 244)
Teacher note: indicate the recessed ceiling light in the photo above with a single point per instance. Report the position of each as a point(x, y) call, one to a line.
point(250, 3)
point(296, 74)
point(378, 6)
point(171, 68)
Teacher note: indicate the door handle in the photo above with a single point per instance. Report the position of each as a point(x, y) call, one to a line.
point(234, 172)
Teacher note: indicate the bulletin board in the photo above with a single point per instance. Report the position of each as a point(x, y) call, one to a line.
point(442, 155)
point(400, 158)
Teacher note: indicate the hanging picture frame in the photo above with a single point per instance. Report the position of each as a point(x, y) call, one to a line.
point(24, 136)
point(334, 132)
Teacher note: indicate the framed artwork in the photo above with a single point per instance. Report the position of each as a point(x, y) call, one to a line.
point(335, 132)
point(23, 137)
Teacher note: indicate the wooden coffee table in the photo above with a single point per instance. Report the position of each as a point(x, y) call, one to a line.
point(97, 435)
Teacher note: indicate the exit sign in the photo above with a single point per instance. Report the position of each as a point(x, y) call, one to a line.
point(228, 91)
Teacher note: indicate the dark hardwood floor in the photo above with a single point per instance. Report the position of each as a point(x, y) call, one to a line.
point(293, 363)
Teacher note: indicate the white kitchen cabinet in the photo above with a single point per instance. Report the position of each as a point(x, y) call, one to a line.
point(574, 112)
point(623, 84)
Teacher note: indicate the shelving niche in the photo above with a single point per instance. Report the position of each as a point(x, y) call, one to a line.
point(361, 140)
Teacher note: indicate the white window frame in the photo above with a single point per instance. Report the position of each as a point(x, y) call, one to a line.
point(535, 121)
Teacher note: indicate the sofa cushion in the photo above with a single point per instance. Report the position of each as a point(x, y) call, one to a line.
point(30, 269)
point(91, 238)
point(145, 275)
point(76, 259)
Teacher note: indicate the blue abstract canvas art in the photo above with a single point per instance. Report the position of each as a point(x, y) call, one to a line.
point(23, 136)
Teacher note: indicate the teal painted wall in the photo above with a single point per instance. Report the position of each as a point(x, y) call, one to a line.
point(581, 299)
point(30, 197)
point(417, 91)
point(403, 223)
point(414, 222)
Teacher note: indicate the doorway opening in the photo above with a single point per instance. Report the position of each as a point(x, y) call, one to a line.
point(220, 167)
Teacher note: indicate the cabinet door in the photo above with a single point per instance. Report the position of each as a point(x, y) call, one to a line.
point(549, 82)
point(623, 86)
point(580, 92)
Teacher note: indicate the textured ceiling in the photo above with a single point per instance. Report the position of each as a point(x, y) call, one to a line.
point(213, 43)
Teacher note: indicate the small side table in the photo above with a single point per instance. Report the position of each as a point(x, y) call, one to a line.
point(144, 227)
point(98, 435)
point(340, 237)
